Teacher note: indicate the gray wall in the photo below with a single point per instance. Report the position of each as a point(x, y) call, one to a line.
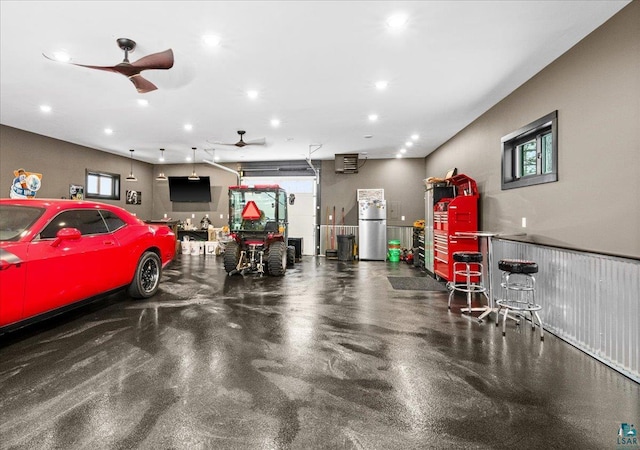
point(220, 181)
point(62, 163)
point(401, 180)
point(595, 205)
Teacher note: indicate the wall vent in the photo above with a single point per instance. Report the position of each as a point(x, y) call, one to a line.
point(347, 163)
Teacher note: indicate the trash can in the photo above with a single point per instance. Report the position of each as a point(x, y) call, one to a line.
point(345, 247)
point(394, 251)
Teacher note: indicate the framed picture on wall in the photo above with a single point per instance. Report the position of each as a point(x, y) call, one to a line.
point(76, 192)
point(134, 197)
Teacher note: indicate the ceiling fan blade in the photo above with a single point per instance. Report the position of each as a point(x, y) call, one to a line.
point(142, 85)
point(259, 141)
point(106, 68)
point(161, 60)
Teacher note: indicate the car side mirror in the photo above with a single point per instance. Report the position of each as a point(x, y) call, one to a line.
point(66, 234)
point(292, 198)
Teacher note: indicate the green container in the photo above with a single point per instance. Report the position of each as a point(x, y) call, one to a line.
point(394, 254)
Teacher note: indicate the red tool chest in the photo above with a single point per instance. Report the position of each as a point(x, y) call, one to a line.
point(450, 215)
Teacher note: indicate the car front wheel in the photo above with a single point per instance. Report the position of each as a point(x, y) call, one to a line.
point(146, 279)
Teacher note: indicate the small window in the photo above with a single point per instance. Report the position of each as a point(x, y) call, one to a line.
point(530, 154)
point(102, 185)
point(88, 221)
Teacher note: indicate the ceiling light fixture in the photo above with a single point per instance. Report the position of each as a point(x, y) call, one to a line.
point(211, 40)
point(252, 94)
point(131, 177)
point(381, 85)
point(143, 102)
point(398, 156)
point(161, 176)
point(397, 21)
point(403, 150)
point(45, 108)
point(415, 137)
point(373, 117)
point(194, 176)
point(108, 131)
point(409, 144)
point(61, 56)
point(188, 127)
point(275, 123)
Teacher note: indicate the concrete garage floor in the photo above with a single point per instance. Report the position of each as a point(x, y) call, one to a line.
point(330, 356)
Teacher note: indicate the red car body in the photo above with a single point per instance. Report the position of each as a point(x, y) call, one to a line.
point(56, 253)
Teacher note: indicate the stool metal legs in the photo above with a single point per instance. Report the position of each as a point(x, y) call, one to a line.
point(468, 270)
point(519, 295)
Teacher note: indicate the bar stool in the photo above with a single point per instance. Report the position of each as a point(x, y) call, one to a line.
point(469, 266)
point(518, 288)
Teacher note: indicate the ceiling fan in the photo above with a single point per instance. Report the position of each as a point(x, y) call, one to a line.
point(161, 60)
point(241, 143)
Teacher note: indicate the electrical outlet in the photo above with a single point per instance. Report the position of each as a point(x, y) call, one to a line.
point(524, 222)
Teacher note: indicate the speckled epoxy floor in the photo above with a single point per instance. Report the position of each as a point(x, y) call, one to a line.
point(329, 356)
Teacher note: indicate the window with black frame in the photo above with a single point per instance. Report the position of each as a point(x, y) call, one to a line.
point(102, 185)
point(530, 154)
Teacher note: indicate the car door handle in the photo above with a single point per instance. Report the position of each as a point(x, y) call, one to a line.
point(108, 242)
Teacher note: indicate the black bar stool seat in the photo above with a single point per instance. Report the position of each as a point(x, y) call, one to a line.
point(518, 291)
point(467, 265)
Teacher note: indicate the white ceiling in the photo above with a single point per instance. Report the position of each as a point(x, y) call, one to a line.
point(314, 64)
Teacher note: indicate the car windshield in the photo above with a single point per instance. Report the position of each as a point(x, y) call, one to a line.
point(15, 220)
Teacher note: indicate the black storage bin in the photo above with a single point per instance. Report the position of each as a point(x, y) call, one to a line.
point(346, 244)
point(297, 244)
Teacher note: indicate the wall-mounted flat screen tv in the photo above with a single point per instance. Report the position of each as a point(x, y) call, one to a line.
point(182, 189)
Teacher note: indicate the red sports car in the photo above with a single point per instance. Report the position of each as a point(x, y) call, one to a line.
point(56, 253)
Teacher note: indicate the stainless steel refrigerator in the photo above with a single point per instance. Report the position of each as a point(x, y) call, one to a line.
point(372, 230)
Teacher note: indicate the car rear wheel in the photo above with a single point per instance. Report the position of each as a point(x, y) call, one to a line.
point(277, 259)
point(231, 256)
point(146, 278)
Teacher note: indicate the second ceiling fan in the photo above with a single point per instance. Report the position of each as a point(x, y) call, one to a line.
point(241, 143)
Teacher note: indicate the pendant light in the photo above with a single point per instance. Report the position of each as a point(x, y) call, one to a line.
point(194, 176)
point(161, 176)
point(131, 177)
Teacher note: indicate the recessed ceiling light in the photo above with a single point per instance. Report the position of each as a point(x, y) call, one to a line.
point(373, 117)
point(275, 122)
point(408, 144)
point(382, 85)
point(252, 94)
point(216, 158)
point(415, 137)
point(188, 127)
point(398, 156)
point(397, 21)
point(108, 131)
point(188, 158)
point(211, 40)
point(403, 150)
point(143, 102)
point(61, 56)
point(45, 108)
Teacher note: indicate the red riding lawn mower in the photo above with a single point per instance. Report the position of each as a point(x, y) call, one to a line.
point(258, 229)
